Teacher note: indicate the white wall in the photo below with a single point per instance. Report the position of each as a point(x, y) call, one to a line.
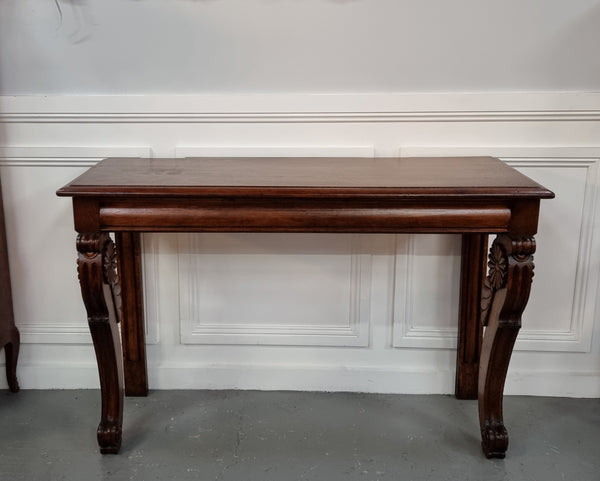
point(229, 77)
point(197, 46)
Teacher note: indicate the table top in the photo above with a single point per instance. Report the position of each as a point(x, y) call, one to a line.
point(312, 176)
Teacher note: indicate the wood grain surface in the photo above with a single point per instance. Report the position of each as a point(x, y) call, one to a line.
point(466, 176)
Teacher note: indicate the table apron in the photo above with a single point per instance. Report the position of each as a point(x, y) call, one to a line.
point(489, 218)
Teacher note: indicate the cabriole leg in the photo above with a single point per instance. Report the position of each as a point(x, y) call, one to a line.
point(505, 296)
point(96, 266)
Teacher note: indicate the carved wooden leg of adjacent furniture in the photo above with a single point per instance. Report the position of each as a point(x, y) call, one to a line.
point(470, 329)
point(132, 324)
point(9, 334)
point(11, 351)
point(505, 296)
point(97, 269)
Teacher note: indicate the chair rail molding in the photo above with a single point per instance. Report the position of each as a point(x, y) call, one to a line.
point(320, 108)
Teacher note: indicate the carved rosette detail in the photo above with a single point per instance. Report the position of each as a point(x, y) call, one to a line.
point(496, 278)
point(505, 254)
point(109, 264)
point(97, 253)
point(497, 267)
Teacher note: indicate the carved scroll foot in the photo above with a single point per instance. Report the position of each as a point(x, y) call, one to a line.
point(96, 266)
point(11, 351)
point(109, 437)
point(505, 296)
point(494, 440)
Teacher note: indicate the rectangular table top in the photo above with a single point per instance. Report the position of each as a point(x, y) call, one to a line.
point(312, 176)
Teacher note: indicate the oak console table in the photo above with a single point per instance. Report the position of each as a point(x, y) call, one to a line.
point(472, 196)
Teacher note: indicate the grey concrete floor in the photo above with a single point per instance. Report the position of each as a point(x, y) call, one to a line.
point(250, 435)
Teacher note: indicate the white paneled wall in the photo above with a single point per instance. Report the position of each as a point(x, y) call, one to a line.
point(371, 313)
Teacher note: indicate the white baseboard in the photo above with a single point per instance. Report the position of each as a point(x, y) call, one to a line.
point(389, 380)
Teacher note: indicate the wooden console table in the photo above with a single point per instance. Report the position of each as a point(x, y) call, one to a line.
point(470, 196)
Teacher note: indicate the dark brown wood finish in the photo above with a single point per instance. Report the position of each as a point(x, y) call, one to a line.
point(97, 270)
point(133, 332)
point(240, 177)
point(9, 334)
point(471, 196)
point(506, 292)
point(470, 327)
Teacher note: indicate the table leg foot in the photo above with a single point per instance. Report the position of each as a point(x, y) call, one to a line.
point(96, 266)
point(494, 440)
point(505, 296)
point(109, 436)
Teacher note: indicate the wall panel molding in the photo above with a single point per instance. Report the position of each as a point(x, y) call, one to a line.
point(64, 156)
point(406, 331)
point(366, 151)
point(150, 273)
point(348, 327)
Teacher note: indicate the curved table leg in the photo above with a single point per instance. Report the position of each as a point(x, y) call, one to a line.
point(96, 266)
point(505, 296)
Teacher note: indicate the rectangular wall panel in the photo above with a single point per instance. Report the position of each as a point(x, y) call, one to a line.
point(42, 240)
point(559, 315)
point(426, 290)
point(285, 289)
